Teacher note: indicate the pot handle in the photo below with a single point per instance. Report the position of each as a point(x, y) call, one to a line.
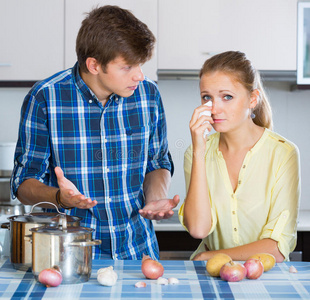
point(84, 244)
point(62, 219)
point(5, 225)
point(33, 206)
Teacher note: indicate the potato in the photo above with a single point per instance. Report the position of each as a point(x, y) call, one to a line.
point(215, 263)
point(268, 260)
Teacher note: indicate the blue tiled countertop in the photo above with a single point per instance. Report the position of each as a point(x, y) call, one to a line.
point(194, 283)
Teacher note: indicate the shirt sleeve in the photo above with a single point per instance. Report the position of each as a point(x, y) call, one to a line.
point(32, 153)
point(282, 219)
point(158, 154)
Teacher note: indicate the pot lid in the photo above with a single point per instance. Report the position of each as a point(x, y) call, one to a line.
point(55, 230)
point(43, 218)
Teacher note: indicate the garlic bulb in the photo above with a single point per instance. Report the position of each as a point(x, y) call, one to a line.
point(107, 276)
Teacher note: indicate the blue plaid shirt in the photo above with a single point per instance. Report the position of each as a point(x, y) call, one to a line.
point(104, 150)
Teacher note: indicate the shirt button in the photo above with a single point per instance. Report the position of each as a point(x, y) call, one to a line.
point(108, 170)
point(239, 182)
point(105, 140)
point(243, 166)
point(113, 228)
point(109, 199)
point(233, 212)
point(90, 101)
point(232, 195)
point(115, 255)
point(235, 229)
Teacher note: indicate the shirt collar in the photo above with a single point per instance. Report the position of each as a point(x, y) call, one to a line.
point(82, 87)
point(87, 93)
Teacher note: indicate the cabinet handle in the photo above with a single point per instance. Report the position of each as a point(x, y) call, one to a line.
point(5, 65)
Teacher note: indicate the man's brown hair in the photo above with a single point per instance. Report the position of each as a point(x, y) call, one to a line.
point(110, 31)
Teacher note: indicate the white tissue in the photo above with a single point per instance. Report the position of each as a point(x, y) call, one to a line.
point(206, 113)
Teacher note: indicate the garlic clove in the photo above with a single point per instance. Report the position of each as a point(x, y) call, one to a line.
point(162, 281)
point(140, 284)
point(293, 269)
point(173, 280)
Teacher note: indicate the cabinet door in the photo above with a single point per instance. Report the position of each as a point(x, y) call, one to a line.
point(32, 39)
point(144, 10)
point(192, 31)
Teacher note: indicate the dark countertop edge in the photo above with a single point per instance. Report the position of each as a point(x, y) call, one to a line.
point(17, 83)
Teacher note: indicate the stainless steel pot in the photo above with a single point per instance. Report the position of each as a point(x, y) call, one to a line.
point(20, 234)
point(70, 250)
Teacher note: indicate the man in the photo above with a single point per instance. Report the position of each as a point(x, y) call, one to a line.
point(92, 139)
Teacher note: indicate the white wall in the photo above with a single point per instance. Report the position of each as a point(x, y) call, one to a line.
point(180, 97)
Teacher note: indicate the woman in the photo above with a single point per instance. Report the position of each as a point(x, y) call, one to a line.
point(243, 182)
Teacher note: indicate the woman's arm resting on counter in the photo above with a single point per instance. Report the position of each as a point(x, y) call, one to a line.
point(241, 253)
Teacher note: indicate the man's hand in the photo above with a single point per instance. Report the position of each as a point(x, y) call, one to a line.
point(69, 194)
point(159, 209)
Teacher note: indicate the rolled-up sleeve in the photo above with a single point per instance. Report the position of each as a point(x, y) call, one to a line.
point(158, 157)
point(282, 219)
point(32, 153)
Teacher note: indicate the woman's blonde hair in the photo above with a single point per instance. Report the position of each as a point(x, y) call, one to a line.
point(236, 64)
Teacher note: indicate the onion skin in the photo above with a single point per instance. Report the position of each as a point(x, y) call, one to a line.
point(150, 268)
point(254, 268)
point(50, 277)
point(233, 271)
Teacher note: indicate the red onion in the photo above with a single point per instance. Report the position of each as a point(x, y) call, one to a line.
point(254, 268)
point(151, 269)
point(50, 277)
point(233, 271)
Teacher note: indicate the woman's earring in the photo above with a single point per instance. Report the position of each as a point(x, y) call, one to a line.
point(253, 115)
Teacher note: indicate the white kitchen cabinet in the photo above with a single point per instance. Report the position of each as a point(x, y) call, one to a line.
point(32, 39)
point(192, 31)
point(145, 10)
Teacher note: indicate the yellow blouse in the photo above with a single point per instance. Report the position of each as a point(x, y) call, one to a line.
point(266, 201)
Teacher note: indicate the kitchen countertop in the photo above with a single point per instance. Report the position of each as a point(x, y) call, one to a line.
point(195, 283)
point(173, 223)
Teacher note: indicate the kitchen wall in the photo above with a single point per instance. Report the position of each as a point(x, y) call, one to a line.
point(290, 109)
